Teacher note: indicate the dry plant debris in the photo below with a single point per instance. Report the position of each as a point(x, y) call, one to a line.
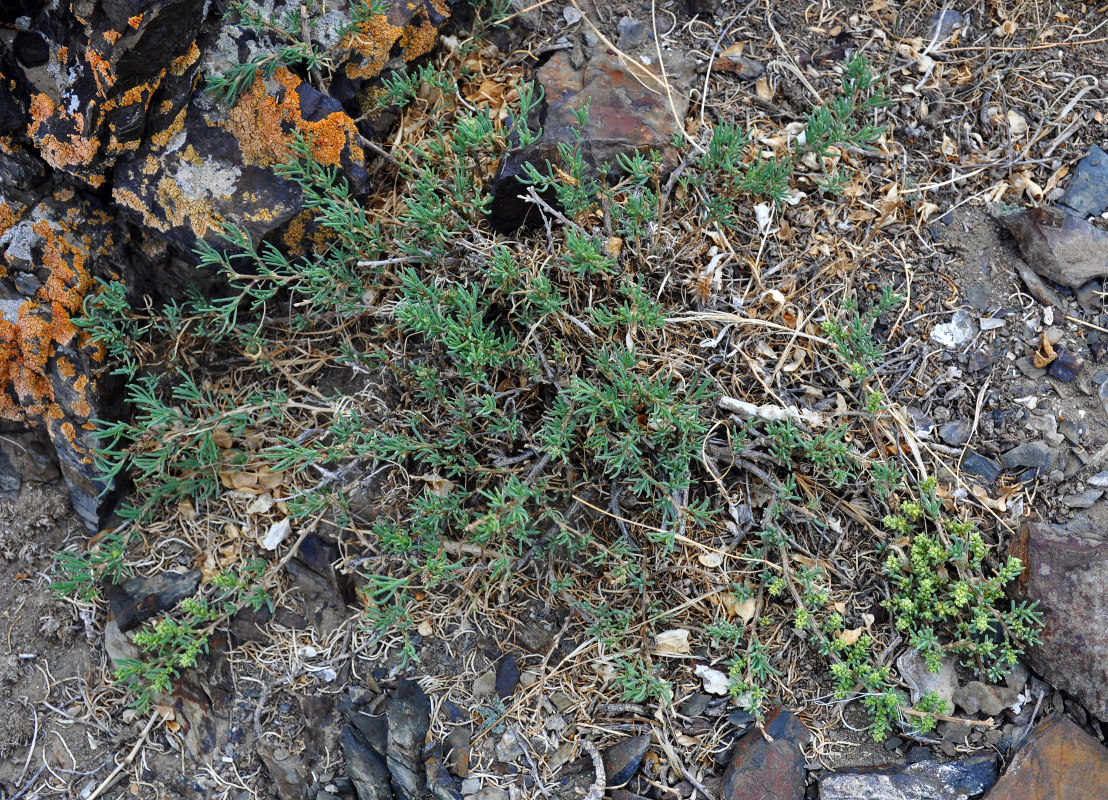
point(675, 410)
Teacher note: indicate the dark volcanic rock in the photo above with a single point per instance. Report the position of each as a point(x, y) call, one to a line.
point(365, 766)
point(52, 374)
point(139, 599)
point(1058, 762)
point(507, 677)
point(622, 760)
point(923, 780)
point(760, 768)
point(628, 112)
point(1087, 192)
point(409, 718)
point(973, 463)
point(1066, 572)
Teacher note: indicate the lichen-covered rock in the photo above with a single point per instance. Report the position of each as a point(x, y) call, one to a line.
point(51, 373)
point(211, 165)
point(95, 67)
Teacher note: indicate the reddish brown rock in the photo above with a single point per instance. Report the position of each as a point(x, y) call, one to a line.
point(630, 110)
point(1058, 762)
point(771, 765)
point(1067, 573)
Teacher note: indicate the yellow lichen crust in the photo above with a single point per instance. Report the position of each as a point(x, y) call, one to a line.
point(262, 125)
point(29, 345)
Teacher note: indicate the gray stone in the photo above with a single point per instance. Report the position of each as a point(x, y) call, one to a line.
point(1083, 499)
point(509, 748)
point(956, 432)
point(471, 786)
point(923, 780)
point(1073, 431)
point(1028, 368)
point(1036, 455)
point(485, 684)
point(492, 793)
point(921, 680)
point(632, 33)
point(1059, 246)
point(973, 463)
point(1087, 192)
point(1100, 480)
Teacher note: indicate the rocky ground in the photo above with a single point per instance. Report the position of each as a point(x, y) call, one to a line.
point(988, 211)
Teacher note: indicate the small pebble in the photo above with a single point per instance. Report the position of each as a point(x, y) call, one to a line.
point(1083, 499)
point(1066, 367)
point(1100, 377)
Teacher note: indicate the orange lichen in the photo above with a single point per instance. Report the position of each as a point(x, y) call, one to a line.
point(261, 123)
point(8, 217)
point(178, 65)
point(418, 41)
point(79, 150)
point(294, 233)
point(101, 71)
point(63, 54)
point(66, 368)
point(112, 36)
point(162, 137)
point(256, 123)
point(373, 41)
point(135, 21)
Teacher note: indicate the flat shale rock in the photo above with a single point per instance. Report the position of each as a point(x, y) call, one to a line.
point(1066, 571)
point(762, 769)
point(923, 780)
point(1058, 762)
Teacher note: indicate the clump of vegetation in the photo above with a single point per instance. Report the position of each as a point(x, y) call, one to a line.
point(536, 400)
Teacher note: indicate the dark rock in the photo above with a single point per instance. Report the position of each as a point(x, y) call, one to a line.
point(442, 784)
point(1087, 192)
point(10, 480)
point(139, 599)
point(248, 625)
point(695, 705)
point(973, 463)
point(1059, 761)
point(956, 432)
point(622, 760)
point(705, 8)
point(1036, 455)
point(1059, 246)
point(1066, 573)
point(740, 718)
point(53, 376)
point(632, 33)
point(374, 728)
point(409, 717)
point(1066, 366)
point(917, 754)
point(507, 677)
point(365, 766)
point(760, 768)
point(290, 774)
point(626, 115)
point(1072, 430)
point(458, 753)
point(954, 780)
